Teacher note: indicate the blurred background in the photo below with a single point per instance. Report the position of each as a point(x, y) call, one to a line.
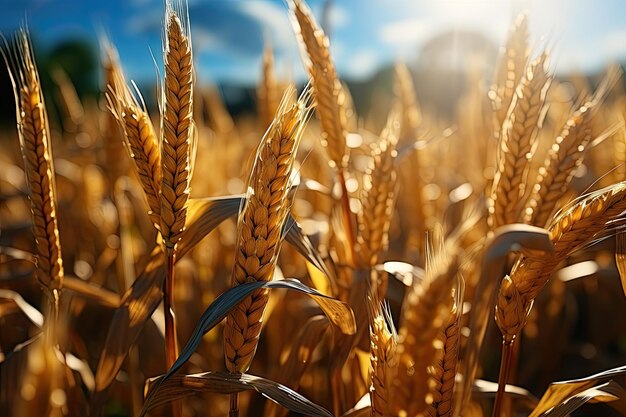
point(437, 39)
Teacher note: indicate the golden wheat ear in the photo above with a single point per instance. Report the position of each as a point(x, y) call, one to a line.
point(443, 371)
point(517, 144)
point(178, 141)
point(260, 224)
point(138, 133)
point(379, 195)
point(34, 136)
point(565, 155)
point(426, 310)
point(267, 91)
point(383, 356)
point(510, 68)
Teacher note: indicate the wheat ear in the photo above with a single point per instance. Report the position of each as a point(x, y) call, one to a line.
point(409, 173)
point(259, 227)
point(444, 371)
point(139, 138)
point(34, 136)
point(379, 195)
point(383, 359)
point(570, 230)
point(267, 92)
point(510, 68)
point(178, 144)
point(330, 99)
point(425, 312)
point(517, 144)
point(565, 156)
point(329, 93)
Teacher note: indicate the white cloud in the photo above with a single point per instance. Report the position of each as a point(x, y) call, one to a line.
point(405, 32)
point(204, 40)
point(362, 63)
point(273, 19)
point(339, 17)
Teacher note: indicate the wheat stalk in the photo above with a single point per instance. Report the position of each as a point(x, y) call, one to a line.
point(260, 224)
point(379, 195)
point(517, 144)
point(34, 136)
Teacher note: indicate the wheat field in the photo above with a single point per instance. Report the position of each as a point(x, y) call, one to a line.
point(178, 260)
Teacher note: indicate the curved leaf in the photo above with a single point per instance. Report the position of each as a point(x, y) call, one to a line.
point(29, 311)
point(300, 353)
point(88, 290)
point(514, 237)
point(337, 312)
point(559, 392)
point(404, 272)
point(204, 215)
point(489, 389)
point(225, 383)
point(606, 392)
point(301, 242)
point(145, 294)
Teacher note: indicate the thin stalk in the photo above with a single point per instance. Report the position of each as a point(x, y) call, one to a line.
point(347, 215)
point(53, 318)
point(171, 346)
point(505, 366)
point(234, 405)
point(335, 381)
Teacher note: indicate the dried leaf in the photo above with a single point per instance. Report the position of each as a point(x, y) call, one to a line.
point(559, 392)
point(144, 296)
point(489, 389)
point(88, 290)
point(606, 392)
point(31, 312)
point(337, 312)
point(181, 386)
point(301, 242)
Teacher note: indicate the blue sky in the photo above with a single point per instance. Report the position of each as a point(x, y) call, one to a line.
point(228, 35)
